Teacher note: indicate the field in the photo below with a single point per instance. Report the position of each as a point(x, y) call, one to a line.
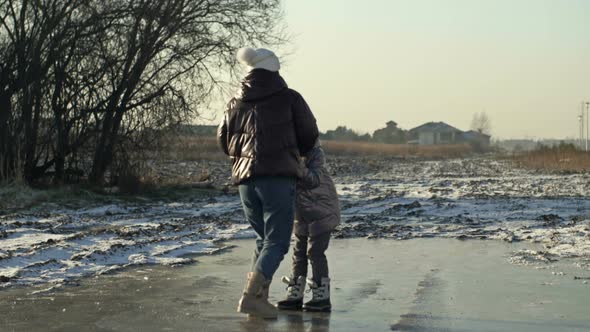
point(206, 148)
point(555, 160)
point(383, 194)
point(187, 148)
point(396, 150)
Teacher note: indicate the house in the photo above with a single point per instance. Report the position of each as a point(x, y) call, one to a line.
point(432, 133)
point(478, 140)
point(390, 134)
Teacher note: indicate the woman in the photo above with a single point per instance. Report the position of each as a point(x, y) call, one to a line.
point(265, 130)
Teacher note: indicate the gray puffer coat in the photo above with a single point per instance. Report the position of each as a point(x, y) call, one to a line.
point(317, 208)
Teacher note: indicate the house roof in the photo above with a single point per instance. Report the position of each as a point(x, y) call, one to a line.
point(435, 127)
point(473, 133)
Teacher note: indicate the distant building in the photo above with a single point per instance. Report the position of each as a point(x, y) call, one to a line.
point(432, 133)
point(479, 141)
point(390, 134)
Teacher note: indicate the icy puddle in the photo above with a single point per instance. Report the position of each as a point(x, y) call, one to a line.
point(378, 285)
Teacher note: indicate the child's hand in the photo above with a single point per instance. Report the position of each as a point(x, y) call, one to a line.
point(310, 179)
point(301, 169)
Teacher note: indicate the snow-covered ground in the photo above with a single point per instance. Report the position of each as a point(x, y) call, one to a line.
point(61, 245)
point(472, 199)
point(464, 199)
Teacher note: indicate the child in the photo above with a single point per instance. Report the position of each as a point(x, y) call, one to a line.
point(317, 213)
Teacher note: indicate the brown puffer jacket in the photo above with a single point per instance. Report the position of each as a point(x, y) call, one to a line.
point(317, 208)
point(266, 128)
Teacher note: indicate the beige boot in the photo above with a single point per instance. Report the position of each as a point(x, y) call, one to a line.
point(265, 289)
point(263, 293)
point(254, 300)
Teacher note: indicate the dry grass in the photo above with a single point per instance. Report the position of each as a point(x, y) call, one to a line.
point(189, 148)
point(555, 160)
point(16, 196)
point(396, 150)
point(193, 148)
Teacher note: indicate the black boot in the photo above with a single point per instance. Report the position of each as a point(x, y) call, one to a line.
point(295, 288)
point(321, 297)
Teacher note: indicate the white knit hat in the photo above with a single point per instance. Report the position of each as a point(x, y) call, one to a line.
point(258, 58)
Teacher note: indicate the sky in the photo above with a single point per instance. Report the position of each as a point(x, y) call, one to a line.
point(526, 63)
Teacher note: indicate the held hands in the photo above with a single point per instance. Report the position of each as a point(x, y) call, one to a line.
point(309, 179)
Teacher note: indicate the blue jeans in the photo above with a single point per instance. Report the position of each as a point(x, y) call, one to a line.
point(269, 205)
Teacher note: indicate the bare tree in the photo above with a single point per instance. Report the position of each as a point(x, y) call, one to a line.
point(82, 79)
point(481, 123)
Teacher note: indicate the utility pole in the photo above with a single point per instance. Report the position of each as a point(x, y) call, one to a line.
point(580, 129)
point(581, 117)
point(587, 123)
